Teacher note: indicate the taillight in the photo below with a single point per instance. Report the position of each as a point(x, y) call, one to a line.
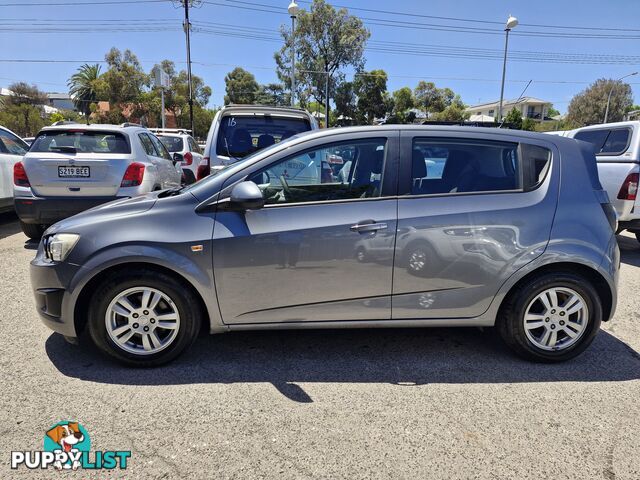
point(188, 158)
point(20, 178)
point(203, 169)
point(629, 188)
point(133, 176)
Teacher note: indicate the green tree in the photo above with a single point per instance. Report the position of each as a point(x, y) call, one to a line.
point(403, 103)
point(327, 40)
point(514, 118)
point(82, 88)
point(124, 81)
point(529, 124)
point(346, 103)
point(273, 94)
point(588, 107)
point(552, 112)
point(23, 110)
point(373, 99)
point(453, 112)
point(240, 87)
point(432, 99)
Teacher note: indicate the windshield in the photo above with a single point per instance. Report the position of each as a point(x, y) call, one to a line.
point(83, 141)
point(240, 136)
point(173, 144)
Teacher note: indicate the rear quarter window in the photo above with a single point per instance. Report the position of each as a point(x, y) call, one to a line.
point(537, 162)
point(606, 141)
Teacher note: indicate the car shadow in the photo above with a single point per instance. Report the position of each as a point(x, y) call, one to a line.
point(402, 357)
point(629, 250)
point(9, 224)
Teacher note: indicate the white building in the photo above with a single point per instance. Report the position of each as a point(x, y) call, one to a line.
point(529, 107)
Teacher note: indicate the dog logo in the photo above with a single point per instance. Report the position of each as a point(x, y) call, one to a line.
point(70, 438)
point(67, 447)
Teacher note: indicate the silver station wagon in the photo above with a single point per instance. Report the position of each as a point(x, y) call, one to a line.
point(394, 226)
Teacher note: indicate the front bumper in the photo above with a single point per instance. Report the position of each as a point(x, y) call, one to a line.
point(49, 210)
point(50, 282)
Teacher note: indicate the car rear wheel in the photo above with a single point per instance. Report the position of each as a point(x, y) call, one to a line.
point(144, 319)
point(551, 318)
point(32, 230)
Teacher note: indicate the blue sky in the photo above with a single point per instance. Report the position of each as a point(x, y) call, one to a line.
point(46, 32)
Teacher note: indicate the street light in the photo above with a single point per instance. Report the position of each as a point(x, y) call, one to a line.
point(512, 22)
point(293, 11)
point(606, 112)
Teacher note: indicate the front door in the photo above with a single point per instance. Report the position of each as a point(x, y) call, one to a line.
point(295, 260)
point(473, 209)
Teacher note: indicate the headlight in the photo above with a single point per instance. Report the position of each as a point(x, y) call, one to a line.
point(58, 246)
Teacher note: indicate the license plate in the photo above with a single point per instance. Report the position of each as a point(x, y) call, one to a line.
point(73, 172)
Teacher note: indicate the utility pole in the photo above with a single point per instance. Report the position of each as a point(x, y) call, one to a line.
point(187, 30)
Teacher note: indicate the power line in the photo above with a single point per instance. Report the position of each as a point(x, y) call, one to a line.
point(77, 4)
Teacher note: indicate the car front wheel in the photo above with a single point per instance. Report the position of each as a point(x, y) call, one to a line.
point(551, 318)
point(146, 319)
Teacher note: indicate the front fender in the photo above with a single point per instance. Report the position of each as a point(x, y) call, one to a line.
point(195, 269)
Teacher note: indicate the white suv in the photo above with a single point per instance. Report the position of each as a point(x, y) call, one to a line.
point(70, 168)
point(184, 149)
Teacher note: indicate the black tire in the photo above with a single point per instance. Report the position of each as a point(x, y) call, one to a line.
point(510, 321)
point(182, 296)
point(32, 230)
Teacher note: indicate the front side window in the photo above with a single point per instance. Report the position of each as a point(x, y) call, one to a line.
point(444, 166)
point(193, 146)
point(342, 171)
point(80, 141)
point(239, 136)
point(11, 144)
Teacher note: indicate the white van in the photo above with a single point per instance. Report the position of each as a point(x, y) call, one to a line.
point(617, 148)
point(240, 130)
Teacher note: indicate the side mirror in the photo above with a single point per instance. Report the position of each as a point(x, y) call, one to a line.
point(177, 158)
point(246, 196)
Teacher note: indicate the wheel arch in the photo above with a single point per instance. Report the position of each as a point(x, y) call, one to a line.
point(80, 314)
point(596, 278)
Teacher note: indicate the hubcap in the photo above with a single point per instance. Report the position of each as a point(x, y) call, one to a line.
point(142, 320)
point(556, 319)
point(417, 260)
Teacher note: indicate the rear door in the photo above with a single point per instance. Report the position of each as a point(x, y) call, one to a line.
point(77, 162)
point(12, 149)
point(295, 259)
point(473, 209)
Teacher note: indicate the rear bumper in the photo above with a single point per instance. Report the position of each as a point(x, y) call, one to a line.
point(47, 211)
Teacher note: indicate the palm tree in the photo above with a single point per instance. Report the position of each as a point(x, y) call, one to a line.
point(82, 88)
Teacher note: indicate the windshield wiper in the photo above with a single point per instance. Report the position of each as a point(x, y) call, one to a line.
point(65, 148)
point(170, 192)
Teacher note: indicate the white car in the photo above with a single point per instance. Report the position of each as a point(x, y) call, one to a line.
point(183, 148)
point(240, 130)
point(617, 149)
point(12, 149)
point(70, 168)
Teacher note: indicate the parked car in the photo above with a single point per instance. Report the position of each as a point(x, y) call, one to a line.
point(240, 130)
point(12, 149)
point(73, 167)
point(513, 230)
point(184, 149)
point(617, 149)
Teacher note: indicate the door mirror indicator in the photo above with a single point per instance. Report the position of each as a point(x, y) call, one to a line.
point(246, 196)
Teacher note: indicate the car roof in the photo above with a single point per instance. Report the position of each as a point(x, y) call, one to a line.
point(123, 128)
point(265, 109)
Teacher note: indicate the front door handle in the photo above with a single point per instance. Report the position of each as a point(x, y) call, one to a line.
point(367, 227)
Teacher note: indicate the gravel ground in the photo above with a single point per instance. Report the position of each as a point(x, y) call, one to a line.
point(430, 403)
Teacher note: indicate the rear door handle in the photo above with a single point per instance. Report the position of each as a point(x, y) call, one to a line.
point(368, 227)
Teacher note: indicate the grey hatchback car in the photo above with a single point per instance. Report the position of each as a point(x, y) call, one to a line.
point(394, 226)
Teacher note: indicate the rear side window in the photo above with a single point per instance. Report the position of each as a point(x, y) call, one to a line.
point(606, 141)
point(147, 144)
point(537, 162)
point(80, 141)
point(11, 144)
point(173, 144)
point(239, 136)
point(162, 151)
point(441, 167)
